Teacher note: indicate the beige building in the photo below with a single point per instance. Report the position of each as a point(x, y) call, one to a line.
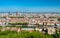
point(51, 30)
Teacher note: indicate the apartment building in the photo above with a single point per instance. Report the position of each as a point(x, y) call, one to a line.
point(2, 21)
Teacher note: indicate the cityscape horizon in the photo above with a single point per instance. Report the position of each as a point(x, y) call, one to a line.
point(29, 18)
point(31, 12)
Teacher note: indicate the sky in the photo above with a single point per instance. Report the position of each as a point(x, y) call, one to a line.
point(30, 5)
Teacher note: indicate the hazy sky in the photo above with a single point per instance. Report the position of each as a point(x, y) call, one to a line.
point(30, 5)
